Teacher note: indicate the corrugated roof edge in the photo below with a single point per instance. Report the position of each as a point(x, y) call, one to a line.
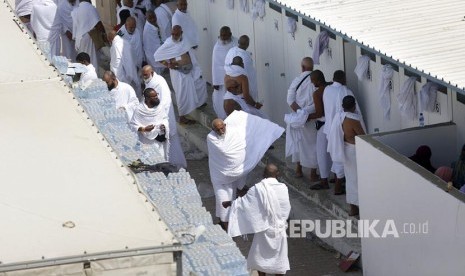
point(409, 67)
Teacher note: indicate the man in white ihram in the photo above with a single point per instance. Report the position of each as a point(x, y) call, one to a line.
point(234, 151)
point(150, 120)
point(23, 9)
point(122, 62)
point(301, 133)
point(220, 50)
point(90, 75)
point(164, 15)
point(64, 15)
point(85, 19)
point(332, 101)
point(182, 18)
point(159, 84)
point(346, 125)
point(46, 27)
point(130, 33)
point(186, 76)
point(241, 50)
point(123, 94)
point(263, 211)
point(151, 40)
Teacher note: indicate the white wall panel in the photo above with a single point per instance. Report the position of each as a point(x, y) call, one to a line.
point(200, 13)
point(390, 190)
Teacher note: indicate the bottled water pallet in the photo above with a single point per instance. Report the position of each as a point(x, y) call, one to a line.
point(207, 249)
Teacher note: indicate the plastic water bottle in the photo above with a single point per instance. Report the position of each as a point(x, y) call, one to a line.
point(421, 120)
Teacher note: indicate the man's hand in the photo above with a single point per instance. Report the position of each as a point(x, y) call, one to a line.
point(148, 128)
point(243, 192)
point(216, 87)
point(226, 204)
point(295, 106)
point(258, 105)
point(69, 35)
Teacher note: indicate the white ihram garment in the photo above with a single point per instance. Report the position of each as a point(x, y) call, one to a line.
point(263, 211)
point(304, 143)
point(190, 88)
point(220, 51)
point(135, 39)
point(122, 62)
point(232, 157)
point(345, 152)
point(176, 154)
point(125, 97)
point(189, 28)
point(88, 77)
point(46, 27)
point(85, 18)
point(164, 15)
point(64, 16)
point(156, 116)
point(151, 42)
point(332, 101)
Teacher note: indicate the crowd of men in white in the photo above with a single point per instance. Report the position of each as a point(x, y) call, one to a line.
point(153, 35)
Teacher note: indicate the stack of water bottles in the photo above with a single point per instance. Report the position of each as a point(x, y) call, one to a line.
point(61, 63)
point(207, 249)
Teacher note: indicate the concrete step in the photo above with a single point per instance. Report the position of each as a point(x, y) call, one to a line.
point(306, 204)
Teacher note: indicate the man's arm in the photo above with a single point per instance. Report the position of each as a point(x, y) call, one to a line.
point(244, 82)
point(230, 106)
point(291, 96)
point(358, 129)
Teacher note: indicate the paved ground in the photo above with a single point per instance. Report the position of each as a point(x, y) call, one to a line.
point(307, 257)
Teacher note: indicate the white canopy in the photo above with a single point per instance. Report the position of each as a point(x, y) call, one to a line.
point(63, 192)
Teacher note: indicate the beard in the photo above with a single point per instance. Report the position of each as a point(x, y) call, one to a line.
point(225, 42)
point(177, 40)
point(155, 102)
point(147, 80)
point(110, 87)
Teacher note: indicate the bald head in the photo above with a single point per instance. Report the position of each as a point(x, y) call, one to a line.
point(147, 73)
point(271, 171)
point(340, 77)
point(182, 5)
point(110, 78)
point(219, 126)
point(176, 33)
point(130, 25)
point(151, 17)
point(225, 34)
point(243, 42)
point(307, 64)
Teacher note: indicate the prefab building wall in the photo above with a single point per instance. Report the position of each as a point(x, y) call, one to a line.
point(277, 55)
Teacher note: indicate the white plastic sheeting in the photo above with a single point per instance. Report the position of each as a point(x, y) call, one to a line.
point(63, 192)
